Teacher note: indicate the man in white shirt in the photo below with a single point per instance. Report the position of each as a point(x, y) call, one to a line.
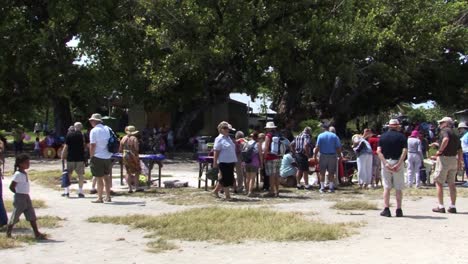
point(100, 164)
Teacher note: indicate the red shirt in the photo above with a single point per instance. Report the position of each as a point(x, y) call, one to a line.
point(374, 142)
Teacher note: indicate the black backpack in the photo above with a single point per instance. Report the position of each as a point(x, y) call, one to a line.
point(247, 152)
point(113, 143)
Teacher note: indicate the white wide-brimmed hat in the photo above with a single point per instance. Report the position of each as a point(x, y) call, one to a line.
point(95, 117)
point(393, 122)
point(270, 125)
point(445, 119)
point(462, 125)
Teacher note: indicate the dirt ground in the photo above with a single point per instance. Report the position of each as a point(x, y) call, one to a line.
point(420, 237)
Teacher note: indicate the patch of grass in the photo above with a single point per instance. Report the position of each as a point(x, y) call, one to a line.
point(233, 225)
point(355, 205)
point(19, 238)
point(46, 221)
point(50, 179)
point(36, 204)
point(15, 241)
point(161, 245)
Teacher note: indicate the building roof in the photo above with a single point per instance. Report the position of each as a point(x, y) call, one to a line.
point(255, 105)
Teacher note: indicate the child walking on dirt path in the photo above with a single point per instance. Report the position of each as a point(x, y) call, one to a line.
point(22, 202)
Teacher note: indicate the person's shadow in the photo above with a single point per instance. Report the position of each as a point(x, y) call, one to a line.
point(425, 217)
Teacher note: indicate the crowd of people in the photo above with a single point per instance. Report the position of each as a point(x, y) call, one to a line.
point(380, 158)
point(279, 159)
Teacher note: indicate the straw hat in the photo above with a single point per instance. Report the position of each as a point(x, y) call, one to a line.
point(95, 117)
point(462, 125)
point(393, 122)
point(445, 119)
point(131, 130)
point(270, 125)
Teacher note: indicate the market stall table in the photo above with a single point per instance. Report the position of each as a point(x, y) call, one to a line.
point(204, 163)
point(148, 159)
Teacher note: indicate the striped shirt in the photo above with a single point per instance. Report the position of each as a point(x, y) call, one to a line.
point(300, 141)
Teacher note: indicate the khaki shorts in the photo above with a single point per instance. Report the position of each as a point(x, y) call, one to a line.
point(393, 179)
point(77, 166)
point(272, 167)
point(446, 169)
point(100, 167)
point(22, 205)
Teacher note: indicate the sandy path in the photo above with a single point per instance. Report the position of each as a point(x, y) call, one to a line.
point(420, 237)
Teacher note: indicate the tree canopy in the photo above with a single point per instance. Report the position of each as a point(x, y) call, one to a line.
point(317, 59)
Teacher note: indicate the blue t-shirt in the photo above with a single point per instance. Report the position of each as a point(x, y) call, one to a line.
point(328, 142)
point(287, 169)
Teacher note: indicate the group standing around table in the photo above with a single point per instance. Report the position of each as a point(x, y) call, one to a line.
point(271, 154)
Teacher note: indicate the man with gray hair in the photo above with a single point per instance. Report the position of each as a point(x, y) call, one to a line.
point(74, 150)
point(392, 151)
point(447, 164)
point(329, 147)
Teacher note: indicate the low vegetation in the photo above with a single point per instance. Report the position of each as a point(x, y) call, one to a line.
point(355, 205)
point(229, 225)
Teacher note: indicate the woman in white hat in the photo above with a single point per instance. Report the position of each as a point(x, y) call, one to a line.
point(225, 159)
point(129, 146)
point(364, 160)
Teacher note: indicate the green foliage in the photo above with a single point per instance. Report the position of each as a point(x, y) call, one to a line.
point(313, 124)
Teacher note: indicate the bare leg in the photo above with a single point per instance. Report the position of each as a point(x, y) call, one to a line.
point(37, 234)
point(440, 192)
point(453, 193)
point(226, 193)
point(9, 230)
point(399, 198)
point(305, 175)
point(100, 187)
point(386, 197)
point(108, 185)
point(93, 186)
point(299, 177)
point(80, 181)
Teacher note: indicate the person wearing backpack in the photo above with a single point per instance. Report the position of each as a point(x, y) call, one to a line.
point(302, 149)
point(252, 156)
point(272, 157)
point(100, 163)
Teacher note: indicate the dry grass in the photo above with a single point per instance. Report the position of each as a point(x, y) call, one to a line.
point(229, 225)
point(355, 205)
point(16, 241)
point(160, 245)
point(20, 238)
point(46, 221)
point(37, 204)
point(50, 179)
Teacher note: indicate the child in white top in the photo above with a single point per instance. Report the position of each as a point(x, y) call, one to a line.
point(22, 202)
point(37, 148)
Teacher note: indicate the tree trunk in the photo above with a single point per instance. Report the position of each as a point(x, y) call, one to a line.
point(185, 127)
point(340, 121)
point(62, 115)
point(289, 111)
